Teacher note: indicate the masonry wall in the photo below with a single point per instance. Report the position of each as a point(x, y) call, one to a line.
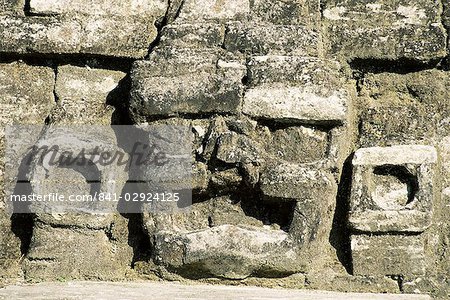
point(321, 138)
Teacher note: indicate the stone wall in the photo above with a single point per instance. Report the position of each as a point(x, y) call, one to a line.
point(321, 138)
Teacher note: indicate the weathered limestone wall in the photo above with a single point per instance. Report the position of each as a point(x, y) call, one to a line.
point(321, 138)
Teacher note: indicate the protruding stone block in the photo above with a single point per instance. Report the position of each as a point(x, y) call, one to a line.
point(83, 95)
point(394, 30)
point(387, 255)
point(241, 250)
point(272, 39)
point(295, 89)
point(82, 172)
point(392, 189)
point(195, 82)
point(296, 104)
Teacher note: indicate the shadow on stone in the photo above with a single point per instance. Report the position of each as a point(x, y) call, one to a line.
point(340, 233)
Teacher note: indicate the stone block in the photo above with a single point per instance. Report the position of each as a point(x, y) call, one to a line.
point(286, 12)
point(26, 98)
point(82, 173)
point(395, 30)
point(387, 255)
point(446, 14)
point(404, 108)
point(198, 35)
point(84, 95)
point(64, 254)
point(121, 36)
point(294, 70)
point(272, 39)
point(309, 104)
point(217, 10)
point(235, 148)
point(26, 93)
point(99, 7)
point(393, 189)
point(205, 83)
point(298, 144)
point(295, 181)
point(228, 251)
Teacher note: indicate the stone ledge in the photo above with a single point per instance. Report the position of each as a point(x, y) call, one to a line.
point(160, 291)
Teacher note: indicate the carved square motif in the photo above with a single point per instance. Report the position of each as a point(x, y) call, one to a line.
point(392, 189)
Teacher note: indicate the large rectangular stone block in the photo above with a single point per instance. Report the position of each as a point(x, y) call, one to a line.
point(194, 83)
point(119, 36)
point(387, 255)
point(272, 39)
point(295, 89)
point(385, 29)
point(402, 109)
point(295, 70)
point(296, 104)
point(99, 7)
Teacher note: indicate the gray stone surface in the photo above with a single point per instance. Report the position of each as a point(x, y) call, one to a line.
point(84, 95)
point(26, 98)
point(195, 82)
point(411, 30)
point(120, 36)
point(102, 7)
point(12, 7)
point(276, 96)
point(193, 10)
point(120, 290)
point(286, 12)
point(242, 251)
point(388, 97)
point(197, 35)
point(272, 39)
point(64, 254)
point(387, 255)
point(27, 93)
point(295, 89)
point(294, 181)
